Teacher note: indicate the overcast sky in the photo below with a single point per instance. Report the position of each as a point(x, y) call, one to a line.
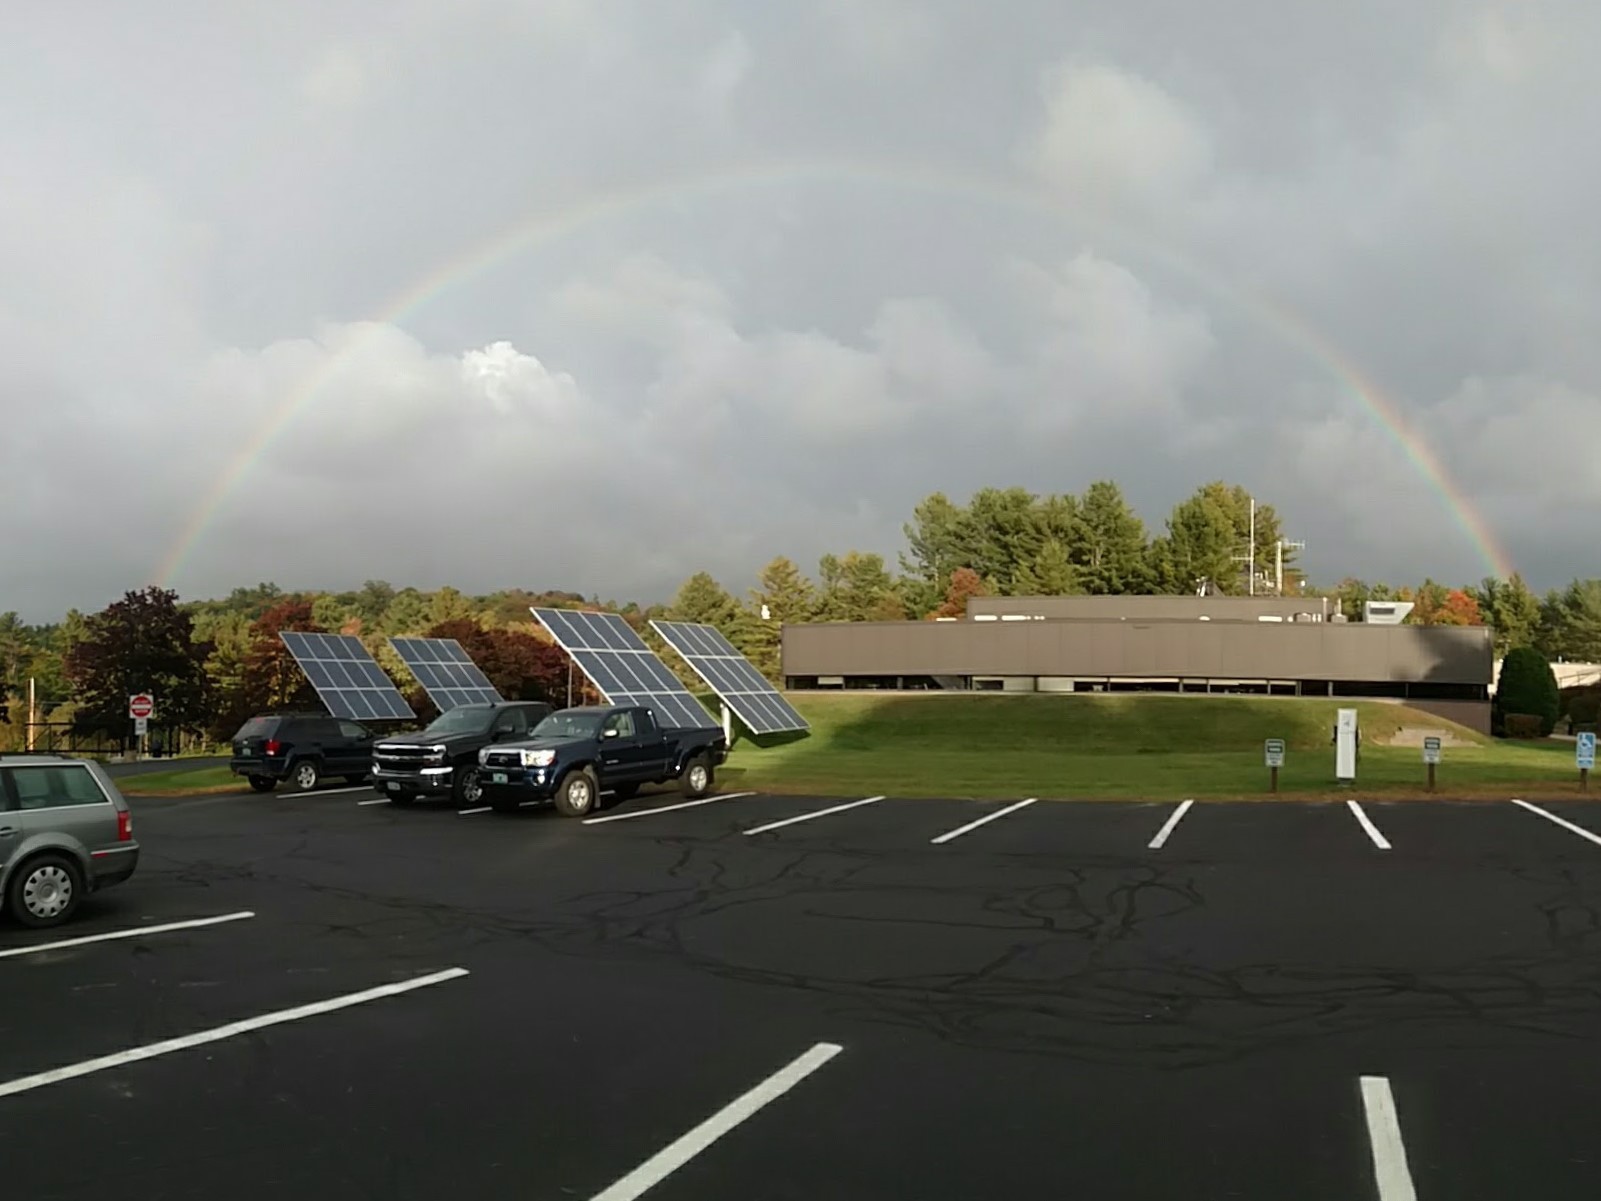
point(783, 269)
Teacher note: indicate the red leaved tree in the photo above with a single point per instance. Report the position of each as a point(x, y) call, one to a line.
point(965, 584)
point(269, 677)
point(521, 666)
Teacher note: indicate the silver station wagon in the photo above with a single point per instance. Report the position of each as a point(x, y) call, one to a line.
point(65, 831)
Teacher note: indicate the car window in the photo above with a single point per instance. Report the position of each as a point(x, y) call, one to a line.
point(54, 787)
point(623, 723)
point(257, 727)
point(319, 729)
point(513, 721)
point(352, 731)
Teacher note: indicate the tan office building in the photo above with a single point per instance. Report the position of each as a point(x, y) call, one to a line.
point(1277, 646)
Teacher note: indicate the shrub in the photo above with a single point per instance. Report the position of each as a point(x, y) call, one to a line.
point(1585, 708)
point(1525, 725)
point(1528, 686)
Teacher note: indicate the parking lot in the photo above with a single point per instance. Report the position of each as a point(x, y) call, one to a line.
point(786, 997)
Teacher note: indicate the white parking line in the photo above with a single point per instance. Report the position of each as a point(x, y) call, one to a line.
point(1390, 1169)
point(1565, 824)
point(332, 791)
point(470, 812)
point(1379, 840)
point(1170, 825)
point(709, 800)
point(988, 817)
point(679, 1152)
point(806, 817)
point(136, 932)
point(217, 1033)
point(379, 800)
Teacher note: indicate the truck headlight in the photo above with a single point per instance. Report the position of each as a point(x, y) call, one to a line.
point(538, 758)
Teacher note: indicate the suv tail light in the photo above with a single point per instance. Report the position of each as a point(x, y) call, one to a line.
point(124, 826)
point(273, 746)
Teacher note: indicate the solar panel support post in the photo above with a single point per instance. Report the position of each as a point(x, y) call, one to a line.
point(569, 683)
point(728, 725)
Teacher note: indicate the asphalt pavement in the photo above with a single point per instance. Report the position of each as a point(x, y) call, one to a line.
point(763, 997)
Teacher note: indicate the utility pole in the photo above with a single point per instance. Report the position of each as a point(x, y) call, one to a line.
point(33, 712)
point(1278, 564)
point(1249, 557)
point(1252, 568)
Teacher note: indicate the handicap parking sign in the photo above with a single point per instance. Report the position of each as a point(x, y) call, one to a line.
point(1586, 751)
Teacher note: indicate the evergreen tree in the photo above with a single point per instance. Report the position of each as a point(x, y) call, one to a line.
point(703, 600)
point(1110, 555)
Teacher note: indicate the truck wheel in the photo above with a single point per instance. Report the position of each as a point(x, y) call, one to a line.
point(697, 779)
point(262, 783)
point(306, 776)
point(468, 787)
point(577, 793)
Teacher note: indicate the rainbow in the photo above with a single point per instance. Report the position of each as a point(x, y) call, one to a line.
point(544, 227)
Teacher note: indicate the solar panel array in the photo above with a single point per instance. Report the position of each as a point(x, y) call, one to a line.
point(732, 676)
point(346, 677)
point(446, 671)
point(618, 662)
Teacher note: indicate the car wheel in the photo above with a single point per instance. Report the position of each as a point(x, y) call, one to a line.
point(577, 794)
point(305, 775)
point(263, 783)
point(469, 787)
point(45, 891)
point(697, 780)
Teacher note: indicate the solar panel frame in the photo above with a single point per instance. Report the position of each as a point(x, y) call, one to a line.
point(626, 671)
point(446, 672)
point(346, 677)
point(732, 677)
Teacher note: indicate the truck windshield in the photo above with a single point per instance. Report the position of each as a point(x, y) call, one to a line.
point(467, 719)
point(569, 723)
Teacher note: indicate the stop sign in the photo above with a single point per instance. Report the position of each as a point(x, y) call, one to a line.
point(141, 704)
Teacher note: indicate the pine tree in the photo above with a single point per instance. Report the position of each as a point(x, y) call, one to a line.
point(703, 600)
point(1110, 552)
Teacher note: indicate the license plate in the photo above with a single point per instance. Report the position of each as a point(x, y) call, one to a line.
point(394, 788)
point(498, 777)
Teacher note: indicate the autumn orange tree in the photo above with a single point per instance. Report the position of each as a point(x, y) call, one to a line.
point(965, 584)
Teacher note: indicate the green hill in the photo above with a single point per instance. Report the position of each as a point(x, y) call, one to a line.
point(1124, 746)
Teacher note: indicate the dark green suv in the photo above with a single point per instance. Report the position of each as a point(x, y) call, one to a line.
point(302, 748)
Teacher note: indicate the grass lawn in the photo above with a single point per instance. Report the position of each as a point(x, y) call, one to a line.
point(1127, 746)
point(182, 782)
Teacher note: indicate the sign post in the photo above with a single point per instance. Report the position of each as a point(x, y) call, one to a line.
point(1431, 756)
point(1346, 740)
point(141, 707)
point(1273, 753)
point(1584, 753)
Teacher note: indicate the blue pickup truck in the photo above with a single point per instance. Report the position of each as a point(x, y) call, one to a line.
point(574, 755)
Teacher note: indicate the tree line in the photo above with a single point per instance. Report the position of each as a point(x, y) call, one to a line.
point(211, 663)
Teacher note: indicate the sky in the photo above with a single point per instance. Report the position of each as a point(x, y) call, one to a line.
point(593, 294)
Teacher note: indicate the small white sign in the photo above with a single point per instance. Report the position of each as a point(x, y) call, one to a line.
point(1431, 750)
point(1585, 750)
point(1274, 752)
point(141, 726)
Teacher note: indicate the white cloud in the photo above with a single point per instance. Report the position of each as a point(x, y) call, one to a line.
point(1110, 351)
point(794, 358)
point(337, 77)
point(1111, 138)
point(726, 67)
